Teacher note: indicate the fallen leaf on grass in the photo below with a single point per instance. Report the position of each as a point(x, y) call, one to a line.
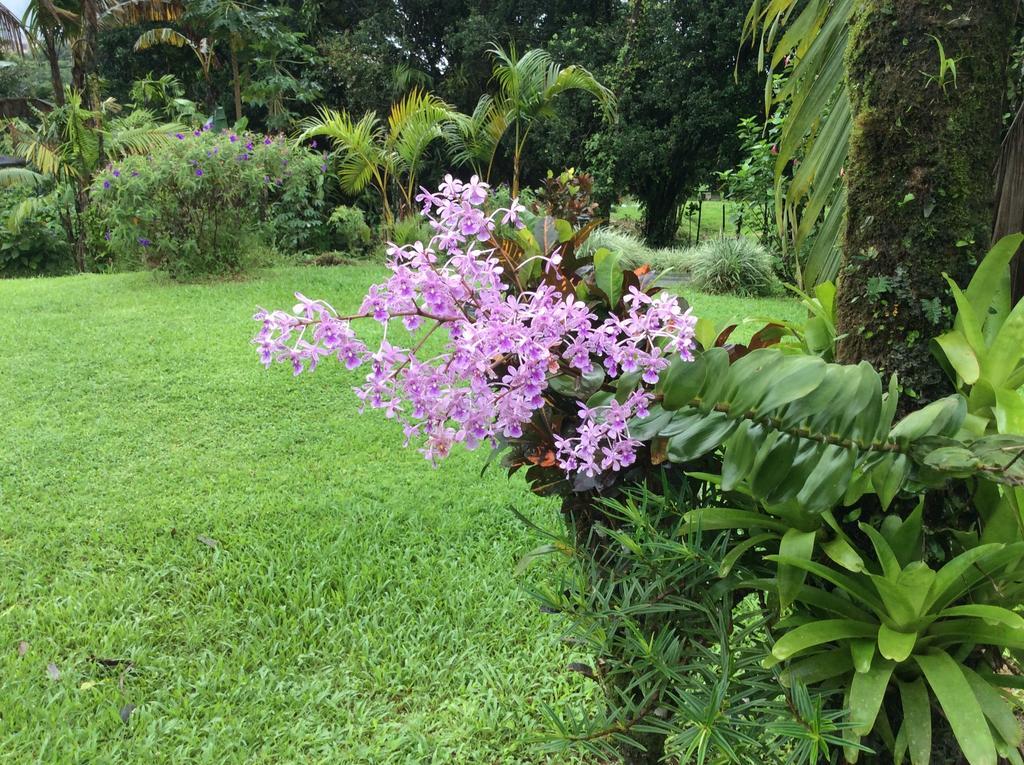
point(22, 648)
point(52, 671)
point(211, 543)
point(126, 712)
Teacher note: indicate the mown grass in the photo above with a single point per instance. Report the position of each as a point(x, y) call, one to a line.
point(264, 574)
point(711, 220)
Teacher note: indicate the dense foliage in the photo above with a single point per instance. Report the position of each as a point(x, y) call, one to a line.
point(205, 201)
point(794, 483)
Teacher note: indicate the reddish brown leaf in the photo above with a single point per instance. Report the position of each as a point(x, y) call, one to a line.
point(22, 648)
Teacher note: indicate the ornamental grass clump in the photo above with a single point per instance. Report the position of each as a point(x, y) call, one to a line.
point(205, 202)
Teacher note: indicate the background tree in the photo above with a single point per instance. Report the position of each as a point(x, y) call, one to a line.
point(679, 103)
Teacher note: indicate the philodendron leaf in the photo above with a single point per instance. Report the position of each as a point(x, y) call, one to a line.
point(866, 693)
point(917, 721)
point(894, 645)
point(960, 705)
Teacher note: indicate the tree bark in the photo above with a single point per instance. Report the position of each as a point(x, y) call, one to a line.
point(53, 59)
point(661, 217)
point(922, 151)
point(236, 82)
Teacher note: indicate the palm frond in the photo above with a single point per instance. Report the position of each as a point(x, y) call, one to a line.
point(20, 176)
point(11, 36)
point(26, 209)
point(162, 36)
point(358, 144)
point(817, 126)
point(129, 13)
point(121, 141)
point(472, 138)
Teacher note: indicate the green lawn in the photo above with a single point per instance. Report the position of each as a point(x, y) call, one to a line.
point(265, 574)
point(710, 219)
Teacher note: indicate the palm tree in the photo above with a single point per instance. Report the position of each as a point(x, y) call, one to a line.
point(65, 149)
point(473, 138)
point(527, 87)
point(201, 47)
point(384, 156)
point(11, 36)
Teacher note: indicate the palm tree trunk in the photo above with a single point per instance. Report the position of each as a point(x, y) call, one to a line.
point(919, 173)
point(236, 82)
point(53, 59)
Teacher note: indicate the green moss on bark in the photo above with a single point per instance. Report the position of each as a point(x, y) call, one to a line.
point(919, 173)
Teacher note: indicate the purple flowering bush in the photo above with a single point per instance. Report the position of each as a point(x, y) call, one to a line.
point(541, 352)
point(207, 201)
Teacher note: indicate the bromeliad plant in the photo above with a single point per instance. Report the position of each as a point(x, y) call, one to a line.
point(888, 556)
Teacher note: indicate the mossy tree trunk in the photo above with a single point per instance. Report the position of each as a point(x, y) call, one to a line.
point(924, 144)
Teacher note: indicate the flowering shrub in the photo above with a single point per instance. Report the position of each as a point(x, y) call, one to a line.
point(204, 201)
point(514, 325)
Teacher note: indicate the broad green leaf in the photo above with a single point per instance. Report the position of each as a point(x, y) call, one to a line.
point(704, 435)
point(773, 462)
point(740, 549)
point(1009, 411)
point(960, 356)
point(1006, 350)
point(950, 582)
point(917, 720)
point(961, 706)
point(803, 374)
point(739, 453)
point(894, 645)
point(996, 708)
point(821, 632)
point(866, 693)
point(863, 652)
point(718, 518)
point(815, 669)
point(827, 484)
point(608, 274)
point(843, 553)
point(905, 539)
point(990, 614)
point(685, 379)
point(992, 271)
point(968, 321)
point(852, 586)
point(883, 553)
point(794, 544)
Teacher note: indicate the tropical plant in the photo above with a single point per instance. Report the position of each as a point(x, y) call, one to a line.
point(206, 203)
point(165, 95)
point(886, 552)
point(387, 157)
point(66, 148)
point(32, 240)
point(808, 42)
point(350, 233)
point(201, 47)
point(527, 87)
point(732, 264)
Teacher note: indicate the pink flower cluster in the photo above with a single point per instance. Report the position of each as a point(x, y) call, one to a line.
point(487, 373)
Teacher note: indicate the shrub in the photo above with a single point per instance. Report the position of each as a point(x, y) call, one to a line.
point(206, 203)
point(740, 266)
point(32, 240)
point(635, 253)
point(349, 231)
point(410, 230)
